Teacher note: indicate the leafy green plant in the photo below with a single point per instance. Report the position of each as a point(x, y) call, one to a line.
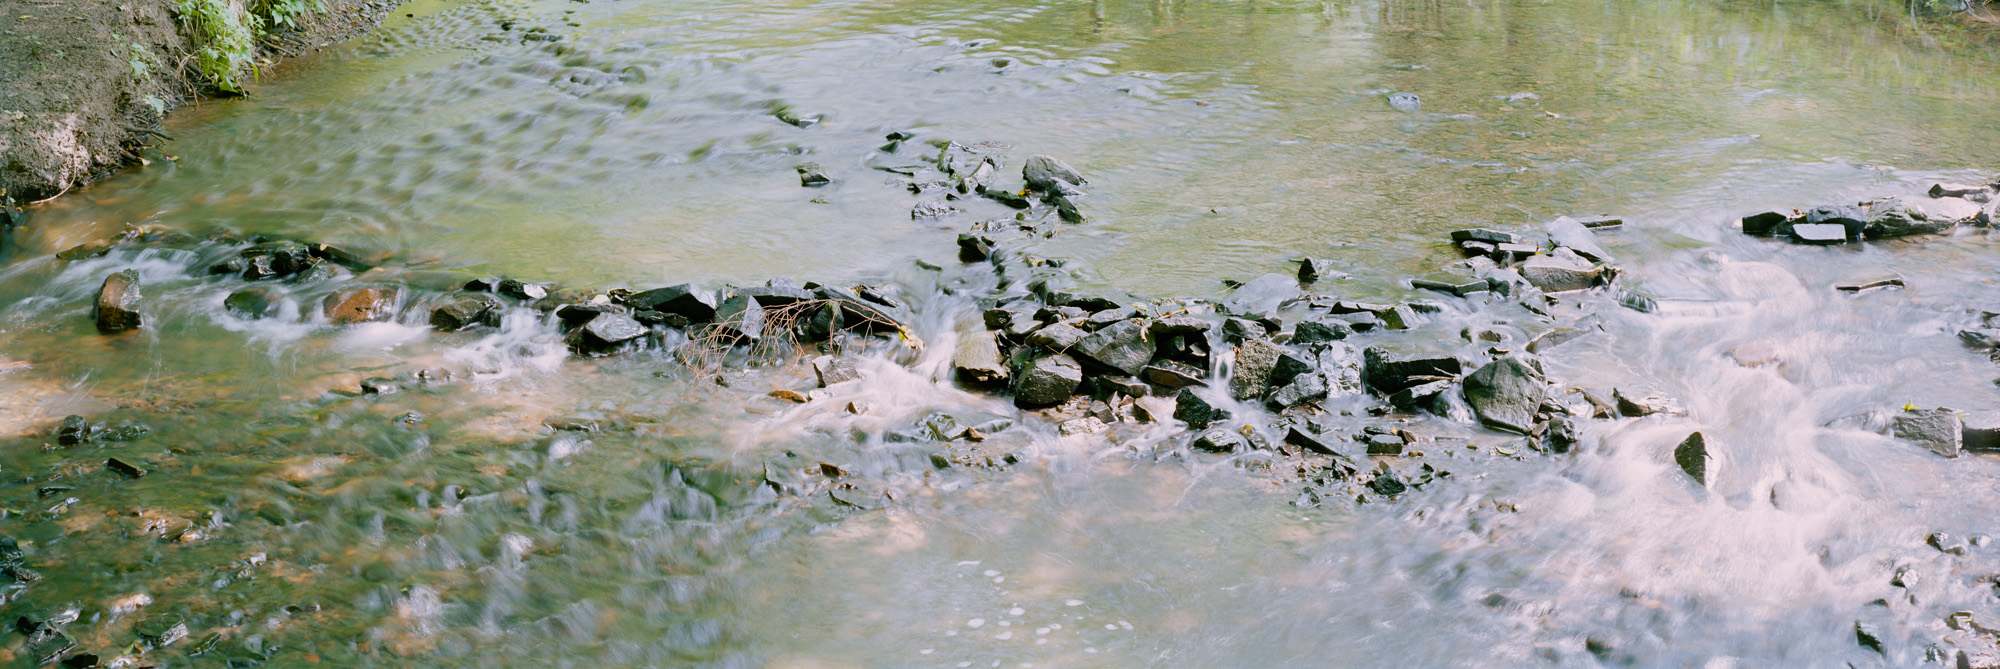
point(223, 35)
point(286, 12)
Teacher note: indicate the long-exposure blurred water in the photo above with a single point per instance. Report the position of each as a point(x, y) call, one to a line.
point(289, 520)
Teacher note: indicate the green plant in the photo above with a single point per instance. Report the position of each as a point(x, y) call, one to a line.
point(286, 12)
point(222, 32)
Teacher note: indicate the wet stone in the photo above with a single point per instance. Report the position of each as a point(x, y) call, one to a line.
point(685, 300)
point(1304, 388)
point(1317, 330)
point(1312, 270)
point(1384, 444)
point(1852, 219)
point(1430, 396)
point(128, 469)
point(1937, 429)
point(1981, 431)
point(1901, 217)
point(1507, 393)
point(740, 318)
point(75, 430)
point(161, 629)
point(1057, 338)
point(978, 359)
point(1084, 425)
point(1219, 440)
point(605, 332)
point(1555, 274)
point(1819, 233)
point(832, 370)
point(253, 303)
point(1635, 405)
point(1571, 234)
point(1048, 380)
point(1450, 284)
point(47, 647)
point(1301, 437)
point(1261, 295)
point(1239, 329)
point(464, 313)
point(1692, 457)
point(360, 305)
point(571, 424)
point(1482, 235)
point(812, 175)
point(1857, 285)
point(775, 295)
point(1051, 175)
point(1766, 224)
point(117, 307)
point(522, 290)
point(974, 248)
point(1562, 435)
point(931, 209)
point(380, 385)
point(1173, 374)
point(1122, 346)
point(1190, 408)
point(1959, 190)
point(1255, 358)
point(1387, 374)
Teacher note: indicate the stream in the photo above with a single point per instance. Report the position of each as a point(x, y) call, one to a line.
point(288, 517)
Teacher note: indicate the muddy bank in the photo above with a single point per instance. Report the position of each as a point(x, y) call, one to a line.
point(83, 86)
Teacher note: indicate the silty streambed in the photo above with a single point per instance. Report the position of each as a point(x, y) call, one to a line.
point(445, 525)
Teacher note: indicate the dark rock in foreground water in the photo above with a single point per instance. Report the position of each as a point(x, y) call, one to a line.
point(1766, 224)
point(1048, 380)
point(117, 308)
point(684, 300)
point(605, 332)
point(1936, 429)
point(1692, 456)
point(1195, 411)
point(1568, 233)
point(1506, 393)
point(1255, 358)
point(1122, 346)
point(253, 303)
point(1388, 375)
point(1218, 440)
point(978, 359)
point(1051, 175)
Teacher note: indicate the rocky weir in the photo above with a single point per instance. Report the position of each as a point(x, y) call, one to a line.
point(1338, 400)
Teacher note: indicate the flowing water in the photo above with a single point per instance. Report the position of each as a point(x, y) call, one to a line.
point(291, 521)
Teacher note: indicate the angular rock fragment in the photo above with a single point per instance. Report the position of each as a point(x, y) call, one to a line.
point(832, 370)
point(1766, 224)
point(605, 333)
point(1261, 295)
point(1218, 440)
point(1255, 359)
point(253, 303)
point(360, 305)
point(811, 175)
point(1311, 270)
point(1692, 457)
point(1049, 174)
point(685, 300)
point(1190, 408)
point(1819, 233)
point(978, 359)
point(1634, 405)
point(1450, 284)
point(1122, 346)
point(1174, 374)
point(117, 307)
point(1057, 338)
point(463, 313)
point(1507, 393)
point(1556, 274)
point(1566, 232)
point(1937, 429)
point(1048, 380)
point(1387, 375)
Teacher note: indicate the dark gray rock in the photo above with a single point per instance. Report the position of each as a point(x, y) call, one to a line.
point(1387, 374)
point(1981, 431)
point(75, 430)
point(1303, 388)
point(1869, 637)
point(1311, 270)
point(117, 308)
point(1767, 224)
point(1048, 380)
point(1122, 346)
point(1936, 429)
point(1384, 443)
point(1852, 219)
point(931, 209)
point(276, 260)
point(522, 290)
point(127, 469)
point(1255, 358)
point(1555, 274)
point(604, 333)
point(1507, 393)
point(1482, 235)
point(1261, 295)
point(1960, 190)
point(1219, 440)
point(974, 248)
point(1562, 435)
point(1317, 330)
point(46, 648)
point(1571, 234)
point(1109, 317)
point(1198, 413)
point(978, 359)
point(740, 318)
point(1172, 374)
point(1051, 175)
point(1635, 405)
point(1902, 217)
point(1057, 338)
point(685, 300)
point(1238, 329)
point(253, 302)
point(772, 296)
point(159, 630)
point(1450, 284)
point(1692, 456)
point(463, 313)
point(1431, 396)
point(811, 175)
point(1129, 386)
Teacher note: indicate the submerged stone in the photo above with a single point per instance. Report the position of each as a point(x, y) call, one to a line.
point(1198, 413)
point(1635, 405)
point(1311, 270)
point(1450, 284)
point(832, 370)
point(360, 305)
point(117, 307)
point(463, 313)
point(1261, 295)
point(1571, 234)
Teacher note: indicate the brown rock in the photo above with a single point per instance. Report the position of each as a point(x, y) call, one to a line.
point(360, 305)
point(117, 307)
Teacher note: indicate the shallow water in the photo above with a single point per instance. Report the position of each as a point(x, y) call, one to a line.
point(444, 526)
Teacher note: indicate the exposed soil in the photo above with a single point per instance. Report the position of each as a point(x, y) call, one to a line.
point(83, 84)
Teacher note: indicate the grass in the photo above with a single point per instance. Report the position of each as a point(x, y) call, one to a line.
point(225, 33)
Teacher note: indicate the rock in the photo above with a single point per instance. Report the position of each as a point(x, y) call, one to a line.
point(1172, 374)
point(604, 333)
point(253, 303)
point(1562, 435)
point(1261, 295)
point(1399, 317)
point(1507, 393)
point(1571, 234)
point(1600, 222)
point(1937, 429)
point(1065, 208)
point(1871, 282)
point(1388, 375)
point(160, 629)
point(95, 249)
point(684, 300)
point(1869, 637)
point(1430, 396)
point(1057, 338)
point(75, 430)
point(521, 290)
point(1218, 440)
point(1637, 301)
point(931, 209)
point(740, 318)
point(1122, 346)
point(1311, 270)
point(1048, 380)
point(1482, 235)
point(1084, 425)
point(1255, 359)
point(1315, 331)
point(832, 370)
point(47, 647)
point(117, 308)
point(360, 305)
point(1557, 337)
point(1942, 190)
point(1051, 175)
point(811, 175)
point(974, 248)
point(571, 424)
point(773, 296)
point(1009, 198)
point(1450, 284)
point(463, 313)
point(1239, 329)
point(1190, 408)
point(1981, 431)
point(1766, 224)
point(1109, 317)
point(122, 467)
point(1112, 384)
point(1900, 217)
point(1308, 387)
point(1555, 274)
point(1692, 456)
point(1947, 209)
point(978, 359)
point(1405, 102)
point(1384, 444)
point(1632, 405)
point(275, 260)
point(1850, 218)
point(1297, 435)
